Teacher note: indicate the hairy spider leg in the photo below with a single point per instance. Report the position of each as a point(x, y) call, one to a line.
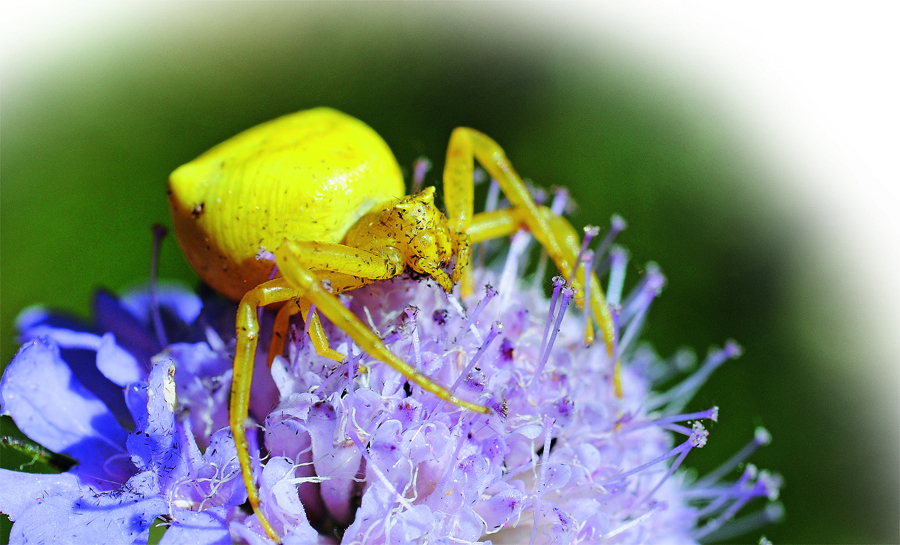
point(268, 293)
point(553, 232)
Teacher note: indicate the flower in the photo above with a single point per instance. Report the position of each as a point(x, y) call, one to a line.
point(353, 453)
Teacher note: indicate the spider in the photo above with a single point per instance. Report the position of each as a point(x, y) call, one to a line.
point(325, 192)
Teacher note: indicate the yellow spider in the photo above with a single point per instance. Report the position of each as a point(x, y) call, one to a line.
point(324, 191)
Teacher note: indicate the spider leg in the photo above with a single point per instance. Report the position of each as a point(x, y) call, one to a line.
point(316, 333)
point(553, 232)
point(271, 292)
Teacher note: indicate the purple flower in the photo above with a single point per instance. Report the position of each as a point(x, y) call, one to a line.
point(353, 453)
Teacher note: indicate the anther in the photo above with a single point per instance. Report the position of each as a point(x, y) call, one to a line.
point(560, 201)
point(710, 414)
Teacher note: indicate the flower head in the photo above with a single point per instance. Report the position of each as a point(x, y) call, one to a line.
point(352, 452)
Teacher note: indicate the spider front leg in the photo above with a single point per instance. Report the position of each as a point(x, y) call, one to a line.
point(553, 232)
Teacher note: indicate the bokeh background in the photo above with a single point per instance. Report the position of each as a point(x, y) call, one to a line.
point(100, 102)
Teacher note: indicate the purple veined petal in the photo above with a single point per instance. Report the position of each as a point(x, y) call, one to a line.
point(277, 484)
point(286, 435)
point(388, 455)
point(249, 531)
point(558, 476)
point(53, 408)
point(282, 377)
point(501, 508)
point(100, 518)
point(155, 444)
point(39, 315)
point(374, 514)
point(21, 491)
point(338, 463)
point(413, 525)
point(203, 387)
point(208, 527)
point(215, 480)
point(277, 488)
point(465, 525)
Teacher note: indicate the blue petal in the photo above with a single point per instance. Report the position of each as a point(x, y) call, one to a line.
point(182, 301)
point(53, 408)
point(21, 491)
point(209, 527)
point(109, 518)
point(85, 352)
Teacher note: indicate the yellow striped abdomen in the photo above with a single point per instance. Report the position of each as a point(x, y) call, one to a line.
point(305, 176)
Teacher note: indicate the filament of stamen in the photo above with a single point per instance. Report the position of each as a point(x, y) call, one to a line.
point(558, 283)
point(590, 231)
point(696, 439)
point(158, 233)
point(567, 293)
point(760, 438)
point(655, 508)
point(618, 260)
point(469, 325)
point(636, 311)
point(517, 247)
point(617, 225)
point(678, 396)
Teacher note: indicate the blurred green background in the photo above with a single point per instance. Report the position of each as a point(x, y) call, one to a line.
point(89, 139)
